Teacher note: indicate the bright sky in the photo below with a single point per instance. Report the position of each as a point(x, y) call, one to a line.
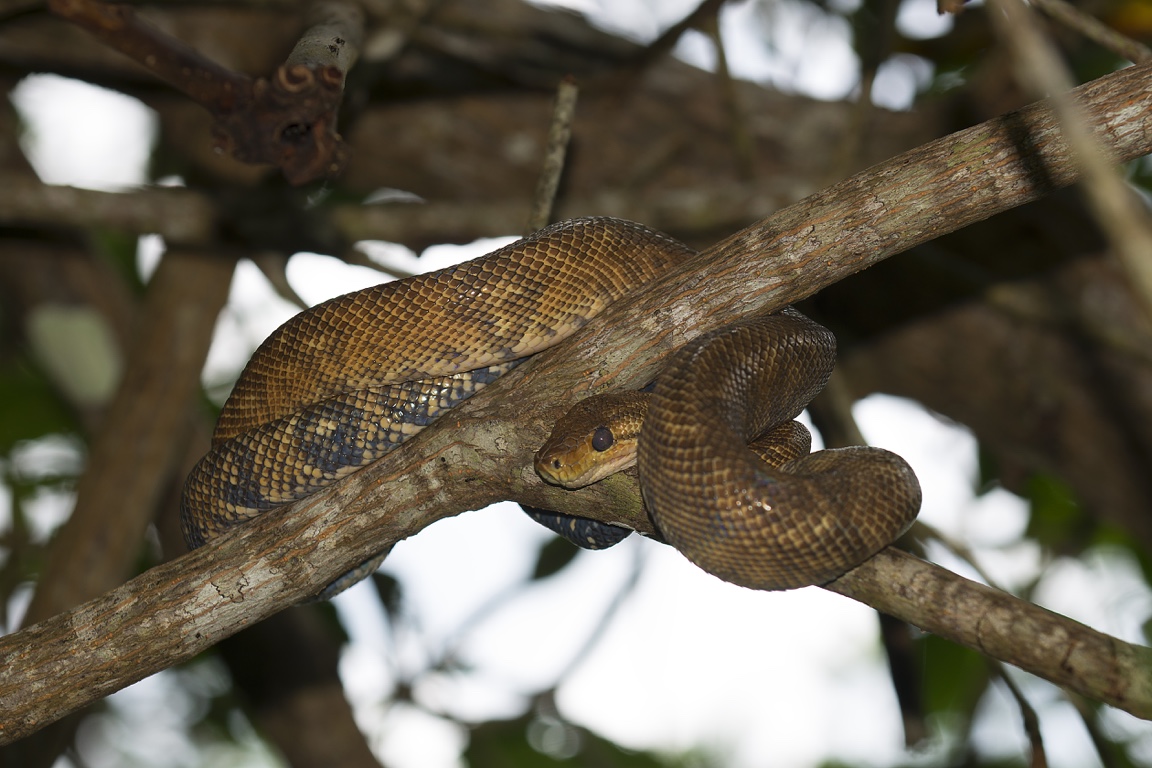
point(784, 679)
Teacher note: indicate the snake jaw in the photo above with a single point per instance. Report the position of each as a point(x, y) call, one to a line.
point(595, 439)
point(576, 466)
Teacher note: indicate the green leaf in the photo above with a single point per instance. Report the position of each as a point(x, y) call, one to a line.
point(533, 742)
point(988, 468)
point(553, 557)
point(1056, 519)
point(30, 407)
point(954, 678)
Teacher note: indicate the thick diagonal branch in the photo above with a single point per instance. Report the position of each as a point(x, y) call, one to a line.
point(482, 452)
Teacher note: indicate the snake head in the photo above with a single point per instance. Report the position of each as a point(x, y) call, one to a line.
point(595, 439)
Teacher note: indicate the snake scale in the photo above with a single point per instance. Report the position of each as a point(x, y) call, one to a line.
point(341, 384)
point(773, 517)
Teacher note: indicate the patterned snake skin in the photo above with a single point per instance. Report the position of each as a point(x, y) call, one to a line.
point(773, 517)
point(341, 384)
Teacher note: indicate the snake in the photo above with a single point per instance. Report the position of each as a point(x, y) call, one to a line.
point(341, 384)
point(726, 471)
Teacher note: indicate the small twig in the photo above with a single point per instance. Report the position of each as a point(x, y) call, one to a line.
point(559, 133)
point(664, 44)
point(924, 530)
point(273, 265)
point(182, 216)
point(610, 611)
point(335, 31)
point(743, 146)
point(1027, 714)
point(1121, 215)
point(1095, 30)
point(1105, 747)
point(358, 257)
point(906, 671)
point(847, 156)
point(1030, 720)
point(874, 28)
point(210, 85)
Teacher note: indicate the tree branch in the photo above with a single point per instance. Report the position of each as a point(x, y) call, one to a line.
point(288, 120)
point(482, 452)
point(181, 216)
point(1004, 627)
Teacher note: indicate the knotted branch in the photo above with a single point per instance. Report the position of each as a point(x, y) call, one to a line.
point(288, 119)
point(482, 452)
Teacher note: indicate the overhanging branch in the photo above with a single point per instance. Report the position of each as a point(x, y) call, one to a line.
point(482, 452)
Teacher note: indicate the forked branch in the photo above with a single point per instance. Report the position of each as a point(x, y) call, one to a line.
point(287, 120)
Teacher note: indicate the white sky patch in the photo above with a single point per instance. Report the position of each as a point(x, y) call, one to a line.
point(899, 80)
point(82, 135)
point(919, 20)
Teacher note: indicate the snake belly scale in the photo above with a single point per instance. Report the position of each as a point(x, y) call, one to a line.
point(342, 383)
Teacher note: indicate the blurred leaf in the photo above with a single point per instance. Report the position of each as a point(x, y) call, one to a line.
point(501, 743)
point(391, 593)
point(30, 407)
point(119, 249)
point(988, 470)
point(954, 677)
point(553, 556)
point(1056, 520)
point(533, 741)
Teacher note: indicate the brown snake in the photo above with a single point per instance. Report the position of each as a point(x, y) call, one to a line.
point(773, 517)
point(342, 383)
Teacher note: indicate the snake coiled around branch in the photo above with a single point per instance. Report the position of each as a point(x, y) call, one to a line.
point(770, 515)
point(341, 384)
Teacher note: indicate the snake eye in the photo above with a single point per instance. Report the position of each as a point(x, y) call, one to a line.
point(602, 439)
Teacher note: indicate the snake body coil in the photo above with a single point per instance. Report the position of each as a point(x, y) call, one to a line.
point(727, 475)
point(804, 521)
point(342, 383)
